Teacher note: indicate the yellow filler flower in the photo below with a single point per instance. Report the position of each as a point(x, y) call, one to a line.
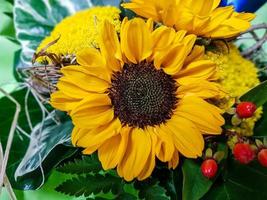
point(140, 97)
point(200, 17)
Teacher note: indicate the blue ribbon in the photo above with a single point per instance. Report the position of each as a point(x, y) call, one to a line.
point(244, 5)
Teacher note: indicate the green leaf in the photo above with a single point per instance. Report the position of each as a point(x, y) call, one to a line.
point(34, 20)
point(44, 138)
point(244, 182)
point(151, 190)
point(7, 26)
point(261, 125)
point(154, 192)
point(257, 95)
point(195, 184)
point(91, 184)
point(20, 143)
point(86, 165)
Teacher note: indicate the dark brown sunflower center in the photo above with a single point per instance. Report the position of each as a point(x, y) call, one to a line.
point(142, 95)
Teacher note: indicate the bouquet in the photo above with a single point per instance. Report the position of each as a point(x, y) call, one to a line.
point(136, 100)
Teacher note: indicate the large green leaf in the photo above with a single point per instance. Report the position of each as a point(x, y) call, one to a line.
point(244, 182)
point(195, 184)
point(20, 143)
point(34, 20)
point(261, 125)
point(257, 95)
point(44, 138)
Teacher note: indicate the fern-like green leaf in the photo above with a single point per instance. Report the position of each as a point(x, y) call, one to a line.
point(90, 184)
point(151, 190)
point(86, 165)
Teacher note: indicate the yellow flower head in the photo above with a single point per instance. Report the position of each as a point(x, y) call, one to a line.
point(237, 76)
point(80, 30)
point(200, 17)
point(141, 96)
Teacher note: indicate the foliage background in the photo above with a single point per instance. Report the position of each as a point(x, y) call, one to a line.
point(7, 51)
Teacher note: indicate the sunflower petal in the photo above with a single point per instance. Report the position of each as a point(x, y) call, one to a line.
point(110, 46)
point(186, 136)
point(113, 150)
point(93, 111)
point(98, 135)
point(205, 116)
point(196, 71)
point(137, 153)
point(136, 40)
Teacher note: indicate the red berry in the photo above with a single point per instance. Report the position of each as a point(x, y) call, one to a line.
point(209, 168)
point(243, 153)
point(245, 109)
point(262, 157)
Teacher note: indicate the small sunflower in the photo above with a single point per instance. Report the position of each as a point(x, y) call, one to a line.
point(143, 95)
point(200, 17)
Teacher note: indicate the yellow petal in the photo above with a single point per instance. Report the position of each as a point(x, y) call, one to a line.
point(110, 46)
point(173, 163)
point(196, 54)
point(113, 150)
point(196, 71)
point(163, 37)
point(205, 116)
point(95, 110)
point(92, 71)
point(203, 89)
point(75, 79)
point(186, 136)
point(137, 153)
point(151, 162)
point(61, 101)
point(136, 40)
point(98, 135)
point(171, 59)
point(164, 147)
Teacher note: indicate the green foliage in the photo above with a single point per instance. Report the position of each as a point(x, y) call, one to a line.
point(86, 165)
point(32, 179)
point(195, 184)
point(261, 125)
point(91, 184)
point(257, 95)
point(244, 182)
point(20, 142)
point(151, 190)
point(44, 140)
point(7, 28)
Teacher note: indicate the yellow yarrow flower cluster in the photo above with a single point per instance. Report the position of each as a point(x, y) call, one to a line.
point(80, 30)
point(237, 76)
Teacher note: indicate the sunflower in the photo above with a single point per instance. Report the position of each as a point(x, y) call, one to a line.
point(202, 17)
point(141, 96)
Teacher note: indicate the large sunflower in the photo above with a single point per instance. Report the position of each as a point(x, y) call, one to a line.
point(140, 97)
point(200, 17)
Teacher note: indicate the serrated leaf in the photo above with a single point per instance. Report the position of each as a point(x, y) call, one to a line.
point(45, 137)
point(91, 184)
point(86, 165)
point(257, 95)
point(151, 190)
point(195, 184)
